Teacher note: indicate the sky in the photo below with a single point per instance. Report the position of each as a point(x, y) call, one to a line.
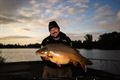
point(26, 21)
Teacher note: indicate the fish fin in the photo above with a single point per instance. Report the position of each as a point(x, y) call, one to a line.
point(89, 62)
point(74, 63)
point(59, 65)
point(80, 65)
point(86, 61)
point(83, 66)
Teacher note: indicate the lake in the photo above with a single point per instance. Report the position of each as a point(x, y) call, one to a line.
point(107, 60)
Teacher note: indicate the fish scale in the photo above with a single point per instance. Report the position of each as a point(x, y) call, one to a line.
point(63, 54)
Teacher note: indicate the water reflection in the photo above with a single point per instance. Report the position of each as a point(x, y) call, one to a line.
point(107, 60)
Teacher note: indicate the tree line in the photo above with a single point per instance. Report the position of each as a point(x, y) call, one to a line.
point(105, 41)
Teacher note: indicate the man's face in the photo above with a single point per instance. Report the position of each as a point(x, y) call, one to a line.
point(54, 32)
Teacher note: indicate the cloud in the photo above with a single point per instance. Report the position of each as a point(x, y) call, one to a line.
point(26, 12)
point(6, 20)
point(71, 10)
point(53, 1)
point(8, 10)
point(14, 37)
point(81, 6)
point(118, 15)
point(51, 9)
point(22, 40)
point(103, 13)
point(105, 18)
point(40, 12)
point(80, 36)
point(31, 17)
point(9, 6)
point(23, 31)
point(75, 36)
point(26, 29)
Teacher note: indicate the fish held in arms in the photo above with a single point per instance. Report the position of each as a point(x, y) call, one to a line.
point(63, 54)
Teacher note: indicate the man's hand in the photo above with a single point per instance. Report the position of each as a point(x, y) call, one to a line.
point(45, 58)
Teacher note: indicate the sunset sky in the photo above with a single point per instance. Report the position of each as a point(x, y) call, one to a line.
point(26, 21)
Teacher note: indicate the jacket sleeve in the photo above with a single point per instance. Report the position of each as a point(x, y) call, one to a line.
point(45, 42)
point(66, 39)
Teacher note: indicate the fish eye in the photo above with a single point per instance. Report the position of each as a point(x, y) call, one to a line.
point(45, 52)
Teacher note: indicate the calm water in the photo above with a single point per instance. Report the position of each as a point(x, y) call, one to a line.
point(107, 60)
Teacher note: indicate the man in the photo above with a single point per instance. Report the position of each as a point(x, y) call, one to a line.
point(56, 36)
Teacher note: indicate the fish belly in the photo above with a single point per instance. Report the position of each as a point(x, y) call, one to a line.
point(60, 59)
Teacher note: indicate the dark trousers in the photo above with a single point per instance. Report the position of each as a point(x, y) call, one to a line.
point(56, 72)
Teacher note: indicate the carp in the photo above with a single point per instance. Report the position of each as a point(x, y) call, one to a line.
point(59, 54)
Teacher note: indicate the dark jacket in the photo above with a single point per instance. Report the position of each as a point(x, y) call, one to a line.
point(63, 39)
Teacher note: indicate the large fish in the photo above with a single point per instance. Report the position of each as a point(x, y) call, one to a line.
point(62, 54)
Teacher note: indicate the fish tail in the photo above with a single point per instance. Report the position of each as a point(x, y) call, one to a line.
point(74, 63)
point(86, 61)
point(82, 66)
point(89, 62)
point(79, 64)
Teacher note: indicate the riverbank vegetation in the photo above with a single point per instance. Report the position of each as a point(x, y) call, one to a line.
point(105, 41)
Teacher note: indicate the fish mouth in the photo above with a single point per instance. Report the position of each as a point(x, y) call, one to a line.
point(38, 51)
point(40, 54)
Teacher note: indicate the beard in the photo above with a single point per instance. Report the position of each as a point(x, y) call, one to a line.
point(56, 35)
